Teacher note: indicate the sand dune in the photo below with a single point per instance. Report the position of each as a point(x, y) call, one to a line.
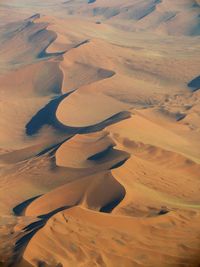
point(80, 150)
point(99, 133)
point(103, 229)
point(171, 17)
point(90, 74)
point(170, 140)
point(86, 191)
point(86, 103)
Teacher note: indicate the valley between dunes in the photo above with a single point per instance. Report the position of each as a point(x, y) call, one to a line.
point(100, 133)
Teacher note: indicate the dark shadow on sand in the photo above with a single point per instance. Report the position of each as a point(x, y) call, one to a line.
point(30, 230)
point(194, 85)
point(19, 209)
point(47, 116)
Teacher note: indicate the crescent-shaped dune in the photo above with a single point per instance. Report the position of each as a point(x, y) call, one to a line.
point(84, 105)
point(86, 192)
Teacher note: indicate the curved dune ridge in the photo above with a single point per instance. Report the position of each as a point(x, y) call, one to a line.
point(98, 157)
point(83, 105)
point(99, 148)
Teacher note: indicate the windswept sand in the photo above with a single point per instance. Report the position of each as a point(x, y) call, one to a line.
point(100, 133)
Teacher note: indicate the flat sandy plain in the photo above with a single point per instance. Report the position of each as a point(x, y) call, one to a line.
point(100, 133)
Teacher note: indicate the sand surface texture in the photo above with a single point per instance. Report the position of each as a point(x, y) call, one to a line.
point(100, 133)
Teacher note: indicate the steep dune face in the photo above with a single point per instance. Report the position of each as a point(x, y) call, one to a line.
point(99, 142)
point(83, 105)
point(83, 150)
point(88, 74)
point(23, 43)
point(26, 36)
point(94, 192)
